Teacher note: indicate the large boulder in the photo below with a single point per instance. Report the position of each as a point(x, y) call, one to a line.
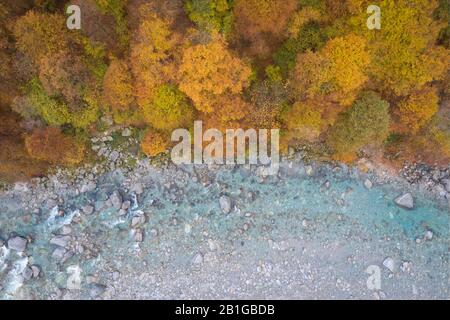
point(17, 243)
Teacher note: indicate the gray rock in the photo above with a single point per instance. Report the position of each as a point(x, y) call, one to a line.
point(27, 273)
point(17, 243)
point(405, 201)
point(97, 290)
point(59, 253)
point(225, 204)
point(389, 264)
point(88, 209)
point(114, 156)
point(126, 205)
point(138, 188)
point(368, 184)
point(446, 184)
point(116, 200)
point(60, 241)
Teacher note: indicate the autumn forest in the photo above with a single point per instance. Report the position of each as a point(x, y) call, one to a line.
point(312, 68)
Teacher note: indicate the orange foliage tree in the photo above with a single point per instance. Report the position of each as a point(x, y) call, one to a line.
point(152, 54)
point(52, 146)
point(117, 86)
point(40, 34)
point(262, 22)
point(414, 111)
point(154, 143)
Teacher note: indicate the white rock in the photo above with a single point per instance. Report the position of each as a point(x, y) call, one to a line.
point(428, 235)
point(368, 184)
point(389, 263)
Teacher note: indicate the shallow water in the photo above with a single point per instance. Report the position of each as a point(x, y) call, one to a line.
point(319, 234)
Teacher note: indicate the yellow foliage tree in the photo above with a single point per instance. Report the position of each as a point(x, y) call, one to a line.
point(336, 71)
point(303, 121)
point(209, 71)
point(404, 53)
point(152, 54)
point(117, 86)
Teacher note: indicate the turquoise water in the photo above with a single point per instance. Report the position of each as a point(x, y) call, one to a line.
point(275, 208)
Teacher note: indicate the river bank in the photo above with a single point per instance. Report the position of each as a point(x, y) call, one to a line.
point(153, 232)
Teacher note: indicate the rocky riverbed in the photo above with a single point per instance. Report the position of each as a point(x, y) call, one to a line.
point(166, 232)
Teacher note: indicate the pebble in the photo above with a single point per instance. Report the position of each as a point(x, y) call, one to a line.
point(428, 235)
point(60, 241)
point(17, 243)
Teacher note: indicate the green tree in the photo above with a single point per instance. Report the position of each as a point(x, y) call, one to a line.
point(169, 110)
point(211, 15)
point(365, 122)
